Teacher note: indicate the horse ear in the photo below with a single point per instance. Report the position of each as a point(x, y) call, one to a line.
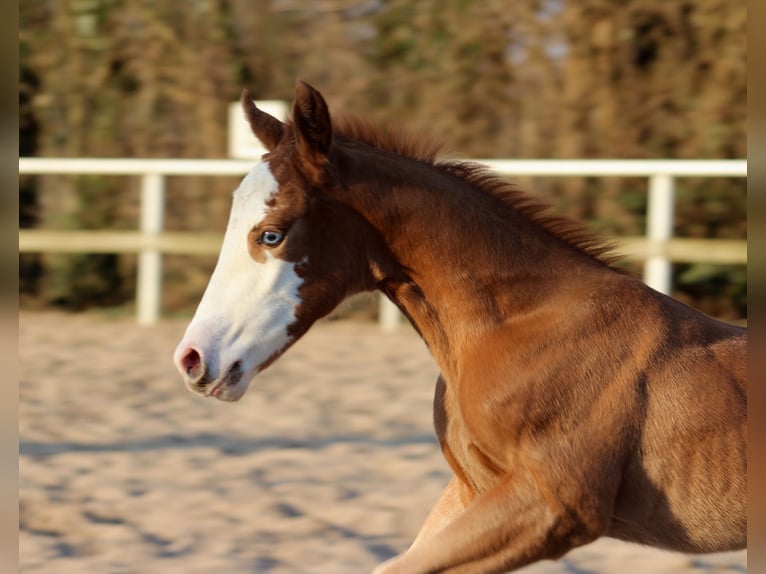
point(313, 129)
point(268, 129)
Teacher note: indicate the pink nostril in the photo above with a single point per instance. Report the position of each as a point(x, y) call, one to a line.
point(191, 363)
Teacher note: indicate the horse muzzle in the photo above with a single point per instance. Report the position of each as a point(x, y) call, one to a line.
point(200, 378)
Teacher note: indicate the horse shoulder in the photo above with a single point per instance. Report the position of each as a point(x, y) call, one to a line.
point(522, 402)
point(632, 398)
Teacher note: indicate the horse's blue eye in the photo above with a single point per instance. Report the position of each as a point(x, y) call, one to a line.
point(271, 238)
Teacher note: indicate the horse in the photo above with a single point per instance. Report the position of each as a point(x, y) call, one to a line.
point(573, 401)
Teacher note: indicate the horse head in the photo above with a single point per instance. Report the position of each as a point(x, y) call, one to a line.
point(290, 254)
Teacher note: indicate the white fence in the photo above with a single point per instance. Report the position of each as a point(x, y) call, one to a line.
point(658, 247)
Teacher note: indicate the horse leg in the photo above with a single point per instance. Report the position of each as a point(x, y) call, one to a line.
point(457, 495)
point(504, 528)
point(451, 503)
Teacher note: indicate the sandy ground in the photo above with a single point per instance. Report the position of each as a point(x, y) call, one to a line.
point(328, 465)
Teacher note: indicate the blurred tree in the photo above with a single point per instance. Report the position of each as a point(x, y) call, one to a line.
point(531, 78)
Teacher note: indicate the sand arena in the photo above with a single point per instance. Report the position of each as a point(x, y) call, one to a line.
point(328, 465)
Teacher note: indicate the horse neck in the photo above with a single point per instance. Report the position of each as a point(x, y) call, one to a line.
point(463, 263)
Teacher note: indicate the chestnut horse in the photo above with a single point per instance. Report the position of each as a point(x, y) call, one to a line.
point(574, 401)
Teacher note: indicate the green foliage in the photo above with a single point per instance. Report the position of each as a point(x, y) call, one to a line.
point(79, 281)
point(718, 290)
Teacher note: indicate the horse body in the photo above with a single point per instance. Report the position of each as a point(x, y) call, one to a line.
point(573, 402)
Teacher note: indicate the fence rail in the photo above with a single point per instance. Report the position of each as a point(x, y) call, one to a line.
point(658, 248)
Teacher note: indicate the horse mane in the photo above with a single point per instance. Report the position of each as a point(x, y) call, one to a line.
point(387, 138)
point(573, 233)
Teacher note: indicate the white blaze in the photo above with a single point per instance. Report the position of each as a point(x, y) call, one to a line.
point(247, 306)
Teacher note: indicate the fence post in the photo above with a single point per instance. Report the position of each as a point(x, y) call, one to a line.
point(659, 229)
point(149, 288)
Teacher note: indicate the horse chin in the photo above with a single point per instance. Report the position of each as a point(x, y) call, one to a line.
point(230, 387)
point(224, 389)
point(231, 393)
